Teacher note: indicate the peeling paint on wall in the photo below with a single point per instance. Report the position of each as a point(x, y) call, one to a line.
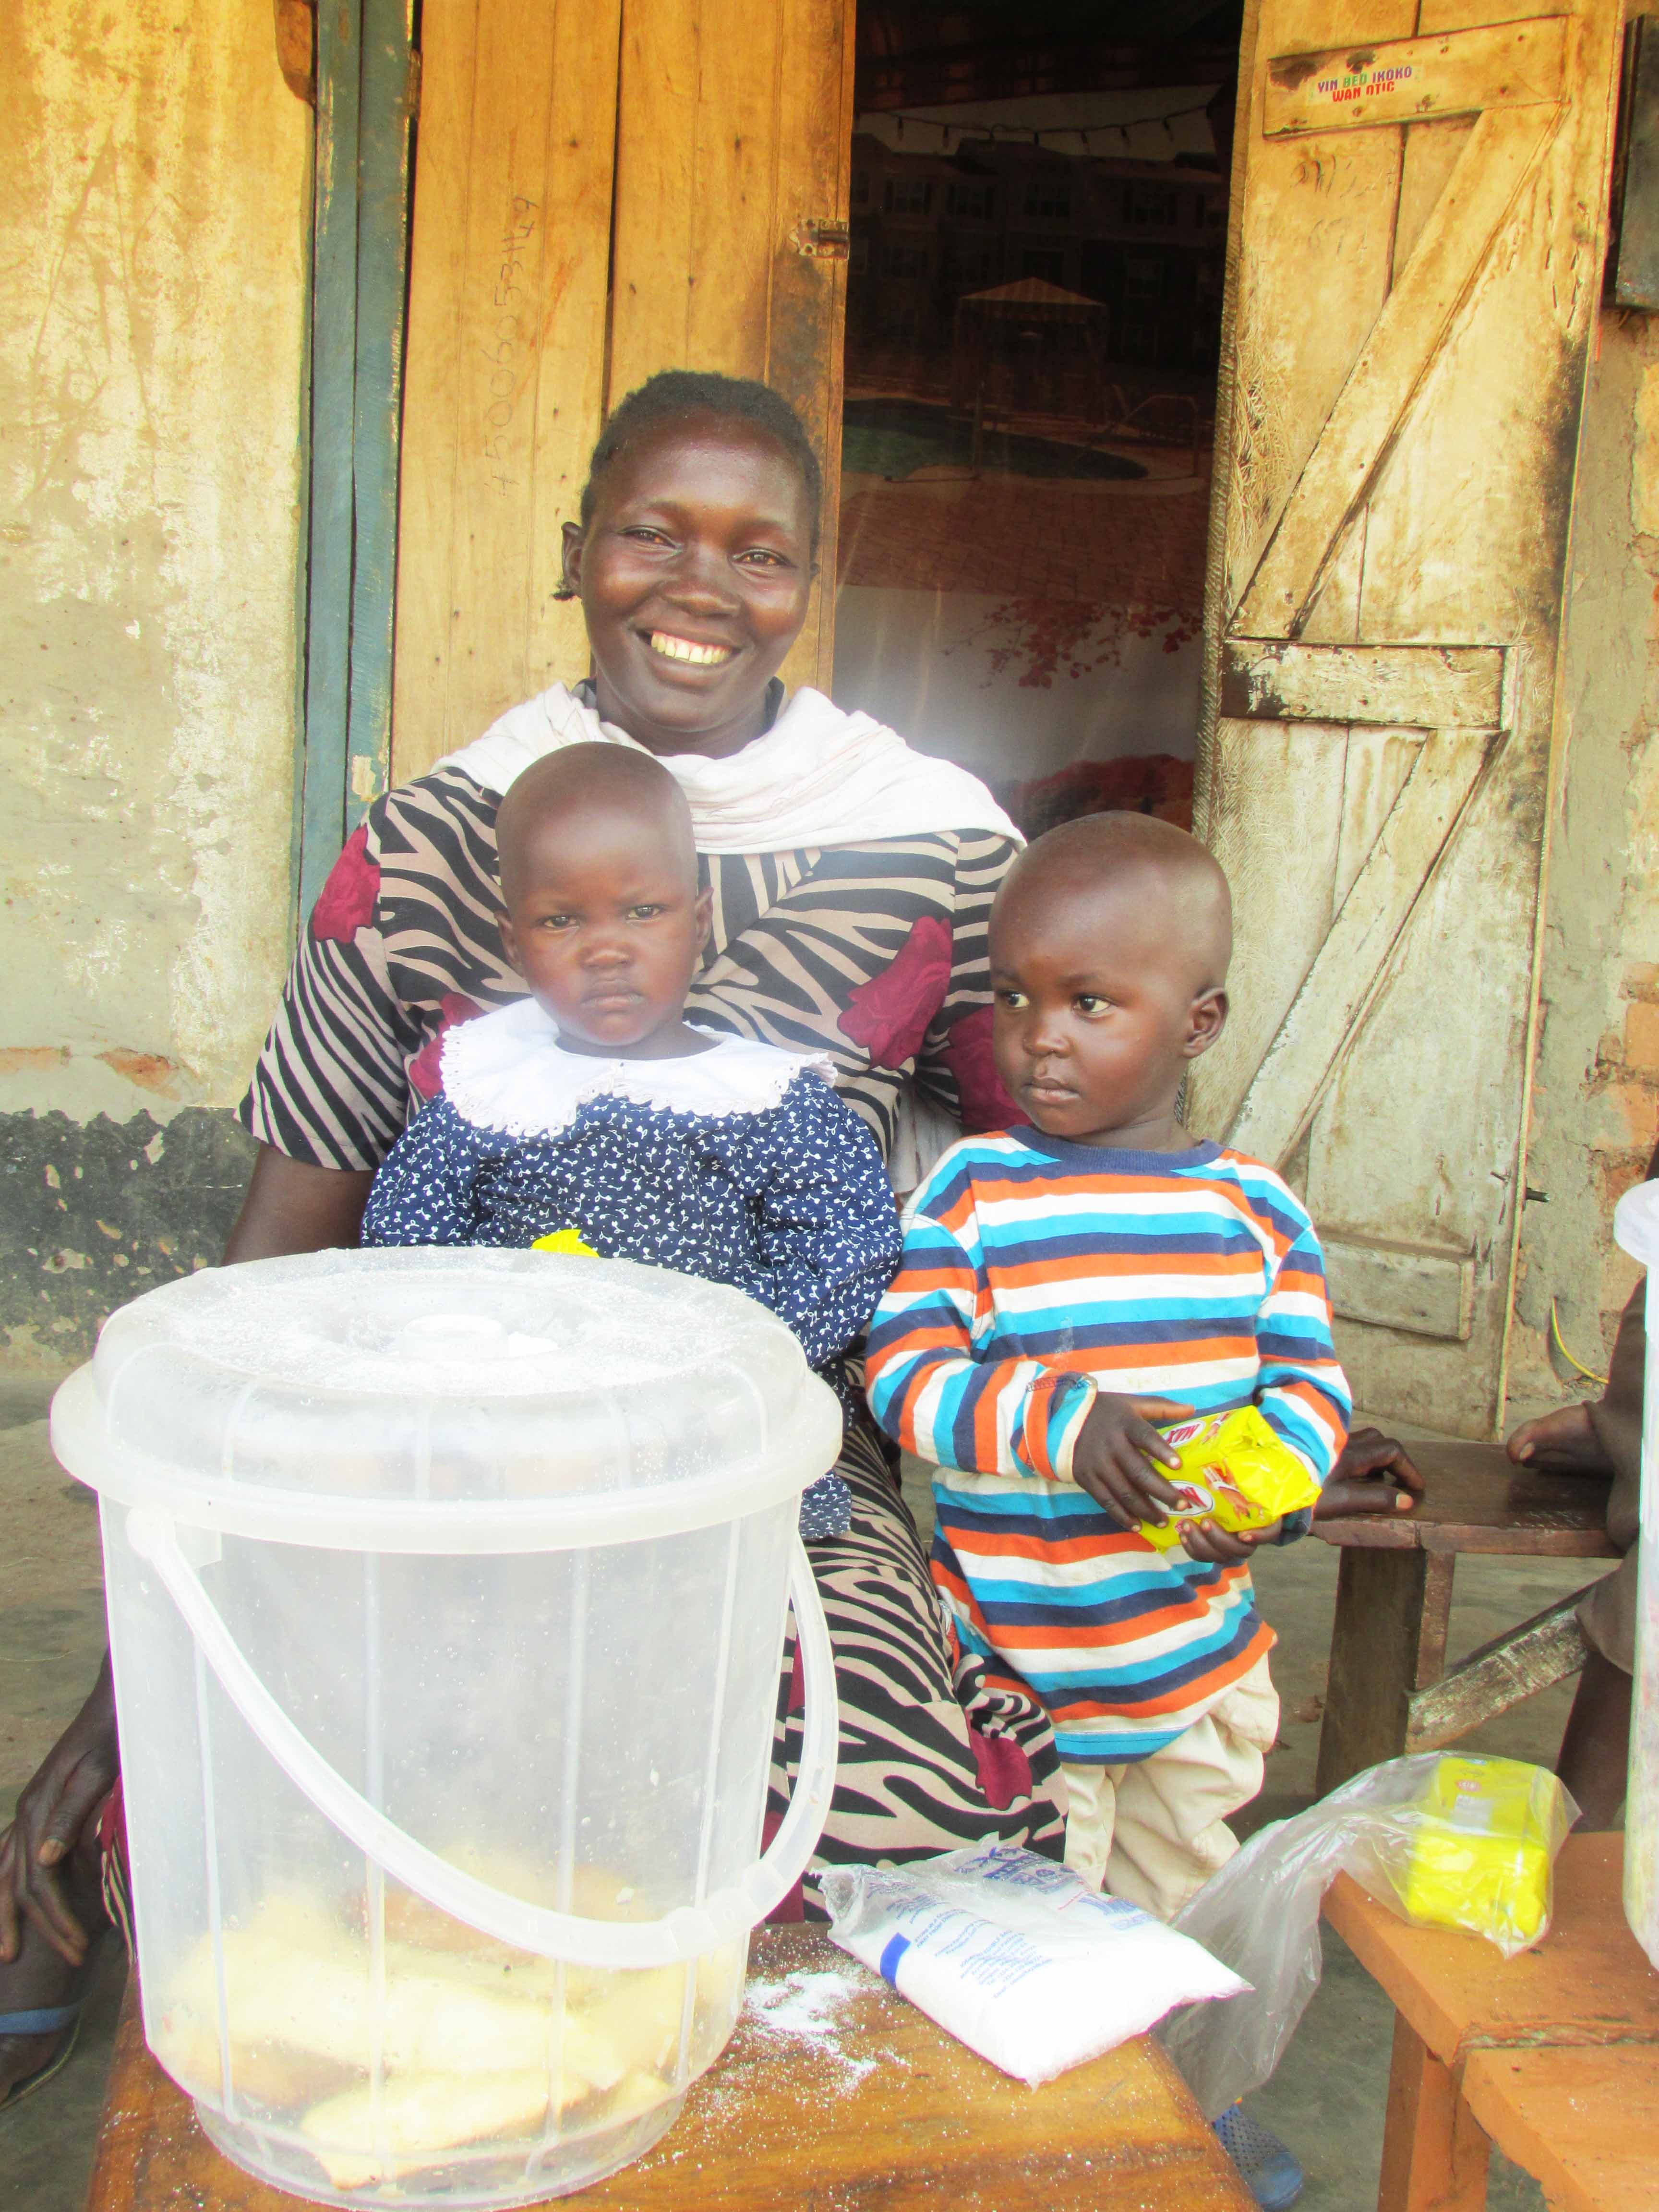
point(153, 180)
point(153, 174)
point(92, 1213)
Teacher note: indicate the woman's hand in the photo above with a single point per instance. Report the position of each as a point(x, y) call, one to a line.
point(1374, 1474)
point(1114, 1457)
point(1561, 1443)
point(54, 1814)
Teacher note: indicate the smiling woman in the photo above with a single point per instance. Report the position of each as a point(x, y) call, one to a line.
point(847, 883)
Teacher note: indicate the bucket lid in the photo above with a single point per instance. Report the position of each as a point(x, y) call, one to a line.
point(446, 1401)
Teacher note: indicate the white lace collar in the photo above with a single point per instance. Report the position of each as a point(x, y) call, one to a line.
point(507, 1071)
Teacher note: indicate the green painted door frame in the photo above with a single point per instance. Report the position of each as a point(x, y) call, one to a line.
point(367, 90)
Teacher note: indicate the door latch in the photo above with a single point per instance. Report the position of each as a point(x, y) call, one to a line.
point(822, 241)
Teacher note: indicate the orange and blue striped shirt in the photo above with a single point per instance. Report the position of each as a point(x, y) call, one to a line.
point(1035, 1273)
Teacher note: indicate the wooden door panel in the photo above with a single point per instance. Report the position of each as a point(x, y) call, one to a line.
point(733, 174)
point(505, 379)
point(1309, 206)
point(1386, 644)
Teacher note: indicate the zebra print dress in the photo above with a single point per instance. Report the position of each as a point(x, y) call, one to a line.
point(875, 955)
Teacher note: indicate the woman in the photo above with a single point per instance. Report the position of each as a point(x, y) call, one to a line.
point(851, 883)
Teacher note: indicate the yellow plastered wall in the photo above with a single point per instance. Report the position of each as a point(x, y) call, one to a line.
point(153, 182)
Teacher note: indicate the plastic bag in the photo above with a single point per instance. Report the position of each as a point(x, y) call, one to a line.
point(1017, 1957)
point(1455, 1842)
point(1235, 1470)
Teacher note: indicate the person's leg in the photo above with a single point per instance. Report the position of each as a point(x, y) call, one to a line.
point(935, 1753)
point(42, 1988)
point(1594, 1760)
point(1171, 1832)
point(1091, 1816)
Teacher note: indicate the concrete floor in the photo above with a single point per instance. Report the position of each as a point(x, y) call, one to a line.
point(1327, 2099)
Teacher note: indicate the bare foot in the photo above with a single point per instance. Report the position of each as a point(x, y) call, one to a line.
point(1561, 1443)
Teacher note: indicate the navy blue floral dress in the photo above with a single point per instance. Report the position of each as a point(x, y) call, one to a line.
point(740, 1164)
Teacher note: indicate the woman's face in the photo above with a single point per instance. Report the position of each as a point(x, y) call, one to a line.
point(693, 574)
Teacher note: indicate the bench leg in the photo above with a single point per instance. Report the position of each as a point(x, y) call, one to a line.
point(1434, 2153)
point(1388, 1638)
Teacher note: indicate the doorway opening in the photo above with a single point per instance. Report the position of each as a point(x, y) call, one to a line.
point(1038, 235)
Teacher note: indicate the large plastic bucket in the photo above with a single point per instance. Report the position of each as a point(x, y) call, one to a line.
point(1636, 1224)
point(447, 1593)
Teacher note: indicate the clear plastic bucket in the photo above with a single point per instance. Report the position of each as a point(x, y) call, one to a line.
point(447, 1594)
point(1636, 1225)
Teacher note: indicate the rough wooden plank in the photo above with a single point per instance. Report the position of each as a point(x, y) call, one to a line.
point(1513, 1667)
point(383, 187)
point(1586, 2123)
point(1276, 938)
point(1399, 1285)
point(1586, 1984)
point(1479, 1500)
point(1395, 686)
point(1438, 1581)
point(1434, 2155)
point(333, 412)
point(506, 361)
point(1330, 1007)
point(1498, 156)
point(1374, 770)
point(733, 139)
point(1360, 86)
point(1309, 231)
point(1374, 1640)
point(888, 2114)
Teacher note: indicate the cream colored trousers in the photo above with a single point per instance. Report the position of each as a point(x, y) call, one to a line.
point(1154, 1831)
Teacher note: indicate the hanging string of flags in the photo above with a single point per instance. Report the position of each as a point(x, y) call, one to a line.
point(1068, 138)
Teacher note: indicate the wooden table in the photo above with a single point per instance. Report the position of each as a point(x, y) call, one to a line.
point(888, 2114)
point(1393, 1599)
point(1553, 2056)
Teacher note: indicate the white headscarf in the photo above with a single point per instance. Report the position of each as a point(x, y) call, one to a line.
point(816, 777)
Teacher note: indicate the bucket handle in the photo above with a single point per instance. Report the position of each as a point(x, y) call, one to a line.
point(684, 1934)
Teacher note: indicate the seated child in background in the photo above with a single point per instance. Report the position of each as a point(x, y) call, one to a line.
point(592, 1107)
point(1066, 1285)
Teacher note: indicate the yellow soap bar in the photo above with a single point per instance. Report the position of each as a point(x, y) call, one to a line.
point(1234, 1471)
point(1483, 1841)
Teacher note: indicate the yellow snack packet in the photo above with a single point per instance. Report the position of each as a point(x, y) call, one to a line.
point(1234, 1471)
point(1484, 1840)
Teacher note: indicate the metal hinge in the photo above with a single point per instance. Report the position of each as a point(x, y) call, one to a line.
point(822, 241)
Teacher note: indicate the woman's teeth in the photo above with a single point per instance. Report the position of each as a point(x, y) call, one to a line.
point(681, 648)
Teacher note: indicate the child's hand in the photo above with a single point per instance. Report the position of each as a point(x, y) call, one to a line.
point(1212, 1546)
point(1114, 1456)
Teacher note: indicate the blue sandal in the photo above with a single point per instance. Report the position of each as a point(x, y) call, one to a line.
point(46, 2019)
point(1269, 2168)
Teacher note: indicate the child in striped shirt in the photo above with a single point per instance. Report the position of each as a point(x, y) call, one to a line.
point(1064, 1286)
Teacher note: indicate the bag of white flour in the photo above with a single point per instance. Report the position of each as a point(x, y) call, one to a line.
point(1017, 1957)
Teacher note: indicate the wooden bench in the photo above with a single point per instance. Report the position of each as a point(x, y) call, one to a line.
point(1389, 1691)
point(1552, 2056)
point(888, 2113)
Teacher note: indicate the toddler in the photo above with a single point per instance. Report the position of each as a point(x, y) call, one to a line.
point(1064, 1286)
point(591, 1114)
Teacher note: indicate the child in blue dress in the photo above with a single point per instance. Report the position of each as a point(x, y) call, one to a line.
point(592, 1114)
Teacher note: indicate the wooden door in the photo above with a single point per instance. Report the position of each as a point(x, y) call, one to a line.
point(1415, 263)
point(604, 188)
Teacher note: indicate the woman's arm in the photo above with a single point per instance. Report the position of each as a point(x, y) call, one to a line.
point(955, 1067)
point(292, 1206)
